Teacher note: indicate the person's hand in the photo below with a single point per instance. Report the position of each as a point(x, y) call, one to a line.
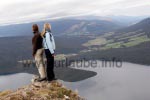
point(33, 55)
point(53, 55)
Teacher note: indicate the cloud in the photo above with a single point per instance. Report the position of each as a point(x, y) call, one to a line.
point(16, 11)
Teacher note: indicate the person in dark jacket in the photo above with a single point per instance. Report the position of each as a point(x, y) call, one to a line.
point(37, 43)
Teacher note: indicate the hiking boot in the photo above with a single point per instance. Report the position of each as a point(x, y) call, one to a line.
point(41, 79)
point(53, 79)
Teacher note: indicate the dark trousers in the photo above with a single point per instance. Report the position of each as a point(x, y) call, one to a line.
point(50, 65)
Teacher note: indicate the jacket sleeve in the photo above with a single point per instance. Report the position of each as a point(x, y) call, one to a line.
point(34, 43)
point(49, 43)
point(53, 42)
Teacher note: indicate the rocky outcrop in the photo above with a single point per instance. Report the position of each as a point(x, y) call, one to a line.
point(41, 91)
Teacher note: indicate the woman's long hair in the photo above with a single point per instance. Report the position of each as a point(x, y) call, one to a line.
point(47, 26)
point(35, 28)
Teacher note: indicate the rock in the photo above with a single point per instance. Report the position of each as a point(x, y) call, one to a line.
point(41, 91)
point(66, 97)
point(34, 78)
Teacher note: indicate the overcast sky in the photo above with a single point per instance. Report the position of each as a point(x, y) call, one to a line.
point(16, 11)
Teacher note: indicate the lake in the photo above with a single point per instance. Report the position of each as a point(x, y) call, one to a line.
point(130, 82)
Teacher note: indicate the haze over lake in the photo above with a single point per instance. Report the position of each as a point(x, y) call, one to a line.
point(130, 82)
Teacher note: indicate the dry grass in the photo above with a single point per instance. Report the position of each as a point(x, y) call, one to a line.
point(41, 91)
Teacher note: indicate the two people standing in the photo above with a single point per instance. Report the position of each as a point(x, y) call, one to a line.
point(41, 42)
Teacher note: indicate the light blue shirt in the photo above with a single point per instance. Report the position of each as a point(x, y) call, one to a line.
point(49, 42)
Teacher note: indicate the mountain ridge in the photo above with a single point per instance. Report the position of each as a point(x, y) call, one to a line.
point(142, 26)
point(61, 27)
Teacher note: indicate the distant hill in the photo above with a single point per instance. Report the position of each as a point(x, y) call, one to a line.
point(129, 44)
point(120, 19)
point(127, 20)
point(91, 27)
point(124, 37)
point(142, 26)
point(61, 27)
point(77, 25)
point(132, 35)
